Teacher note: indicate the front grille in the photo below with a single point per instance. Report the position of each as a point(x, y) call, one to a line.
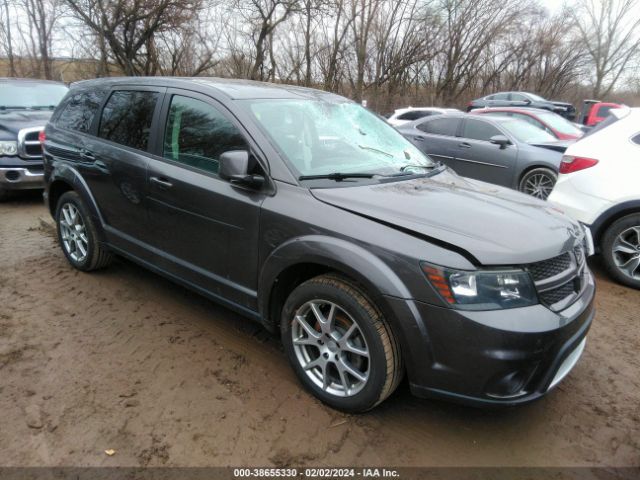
point(558, 280)
point(550, 268)
point(551, 297)
point(28, 143)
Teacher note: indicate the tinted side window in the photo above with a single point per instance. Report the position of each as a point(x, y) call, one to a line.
point(501, 96)
point(197, 133)
point(479, 130)
point(441, 126)
point(126, 118)
point(517, 97)
point(414, 115)
point(79, 110)
point(636, 139)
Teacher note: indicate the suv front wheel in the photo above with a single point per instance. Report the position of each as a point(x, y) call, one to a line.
point(77, 234)
point(339, 344)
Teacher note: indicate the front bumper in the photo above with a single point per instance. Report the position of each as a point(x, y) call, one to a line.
point(20, 178)
point(502, 357)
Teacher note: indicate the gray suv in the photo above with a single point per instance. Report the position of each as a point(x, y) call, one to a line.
point(306, 212)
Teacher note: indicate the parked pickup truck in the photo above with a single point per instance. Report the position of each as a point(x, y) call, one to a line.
point(25, 108)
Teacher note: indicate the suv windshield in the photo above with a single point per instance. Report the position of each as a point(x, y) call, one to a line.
point(525, 132)
point(320, 137)
point(31, 95)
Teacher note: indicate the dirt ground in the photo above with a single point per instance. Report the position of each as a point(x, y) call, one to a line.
point(125, 360)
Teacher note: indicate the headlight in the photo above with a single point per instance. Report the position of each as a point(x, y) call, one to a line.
point(8, 148)
point(482, 289)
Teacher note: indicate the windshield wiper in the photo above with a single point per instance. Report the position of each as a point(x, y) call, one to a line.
point(364, 147)
point(43, 107)
point(13, 107)
point(337, 176)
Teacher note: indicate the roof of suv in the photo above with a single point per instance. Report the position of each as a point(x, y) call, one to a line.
point(232, 88)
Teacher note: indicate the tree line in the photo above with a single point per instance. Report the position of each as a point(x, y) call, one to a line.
point(388, 52)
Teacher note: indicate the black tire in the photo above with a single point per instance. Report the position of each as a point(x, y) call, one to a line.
point(97, 256)
point(384, 363)
point(624, 226)
point(545, 176)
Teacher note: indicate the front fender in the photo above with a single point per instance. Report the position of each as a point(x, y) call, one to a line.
point(341, 255)
point(380, 281)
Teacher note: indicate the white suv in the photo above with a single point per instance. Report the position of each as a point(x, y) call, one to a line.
point(409, 114)
point(599, 185)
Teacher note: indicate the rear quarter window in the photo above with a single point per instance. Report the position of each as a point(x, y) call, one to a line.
point(78, 111)
point(126, 118)
point(636, 139)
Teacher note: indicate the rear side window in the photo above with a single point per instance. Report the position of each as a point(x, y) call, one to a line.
point(441, 126)
point(636, 139)
point(479, 130)
point(79, 110)
point(603, 110)
point(197, 134)
point(414, 115)
point(517, 97)
point(126, 118)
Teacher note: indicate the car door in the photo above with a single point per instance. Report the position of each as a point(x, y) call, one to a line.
point(518, 100)
point(476, 157)
point(116, 165)
point(205, 229)
point(437, 138)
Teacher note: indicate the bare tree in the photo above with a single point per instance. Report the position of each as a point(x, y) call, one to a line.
point(129, 27)
point(610, 30)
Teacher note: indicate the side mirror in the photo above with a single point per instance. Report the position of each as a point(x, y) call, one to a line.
point(526, 101)
point(500, 140)
point(234, 167)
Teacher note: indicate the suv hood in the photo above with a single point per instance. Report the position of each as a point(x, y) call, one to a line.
point(12, 121)
point(490, 225)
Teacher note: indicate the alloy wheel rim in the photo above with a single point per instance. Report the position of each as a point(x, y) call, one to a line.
point(73, 233)
point(331, 348)
point(539, 185)
point(626, 252)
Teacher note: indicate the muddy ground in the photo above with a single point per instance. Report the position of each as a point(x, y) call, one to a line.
point(125, 360)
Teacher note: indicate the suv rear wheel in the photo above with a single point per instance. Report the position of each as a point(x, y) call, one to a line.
point(77, 235)
point(339, 344)
point(621, 250)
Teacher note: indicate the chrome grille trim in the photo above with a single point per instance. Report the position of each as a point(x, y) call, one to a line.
point(27, 140)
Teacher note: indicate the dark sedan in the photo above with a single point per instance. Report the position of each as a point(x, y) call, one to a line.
point(525, 100)
point(501, 150)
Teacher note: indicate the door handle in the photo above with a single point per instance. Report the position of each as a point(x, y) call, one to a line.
point(464, 145)
point(162, 183)
point(419, 139)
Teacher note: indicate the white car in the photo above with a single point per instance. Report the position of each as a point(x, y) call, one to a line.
point(599, 185)
point(409, 114)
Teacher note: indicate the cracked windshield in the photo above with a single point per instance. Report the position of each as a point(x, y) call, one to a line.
point(324, 138)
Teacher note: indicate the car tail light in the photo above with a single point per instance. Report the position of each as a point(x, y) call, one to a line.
point(571, 164)
point(42, 137)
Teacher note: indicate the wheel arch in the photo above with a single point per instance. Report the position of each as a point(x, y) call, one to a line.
point(66, 179)
point(609, 216)
point(303, 258)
